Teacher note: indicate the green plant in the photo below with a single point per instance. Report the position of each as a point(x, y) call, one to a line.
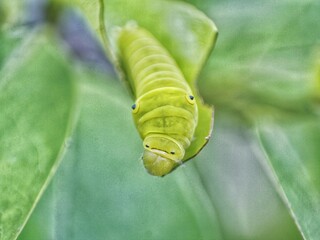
point(258, 177)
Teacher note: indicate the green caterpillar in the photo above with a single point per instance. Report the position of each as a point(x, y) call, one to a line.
point(165, 111)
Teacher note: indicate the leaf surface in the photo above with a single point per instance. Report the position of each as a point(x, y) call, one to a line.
point(36, 106)
point(102, 188)
point(293, 152)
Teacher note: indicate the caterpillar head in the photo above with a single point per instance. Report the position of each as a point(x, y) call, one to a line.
point(162, 154)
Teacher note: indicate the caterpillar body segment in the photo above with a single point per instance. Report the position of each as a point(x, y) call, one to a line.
point(165, 111)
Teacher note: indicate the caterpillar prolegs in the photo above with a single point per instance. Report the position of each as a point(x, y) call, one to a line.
point(165, 110)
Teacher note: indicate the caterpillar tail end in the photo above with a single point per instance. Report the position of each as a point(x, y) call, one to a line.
point(157, 165)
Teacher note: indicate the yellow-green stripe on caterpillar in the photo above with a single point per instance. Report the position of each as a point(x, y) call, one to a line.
point(165, 111)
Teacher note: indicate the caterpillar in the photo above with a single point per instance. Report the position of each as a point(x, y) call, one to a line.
point(165, 110)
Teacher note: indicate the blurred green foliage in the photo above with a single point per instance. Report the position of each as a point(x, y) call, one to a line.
point(36, 110)
point(258, 178)
point(262, 65)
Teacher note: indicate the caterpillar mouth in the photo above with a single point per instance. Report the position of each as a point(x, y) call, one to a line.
point(162, 153)
point(165, 146)
point(156, 163)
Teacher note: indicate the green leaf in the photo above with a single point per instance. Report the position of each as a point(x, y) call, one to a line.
point(293, 151)
point(263, 67)
point(11, 13)
point(101, 187)
point(185, 31)
point(10, 38)
point(262, 61)
point(317, 77)
point(239, 187)
point(8, 44)
point(36, 109)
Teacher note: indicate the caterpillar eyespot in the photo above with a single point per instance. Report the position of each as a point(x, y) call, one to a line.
point(135, 107)
point(190, 99)
point(165, 120)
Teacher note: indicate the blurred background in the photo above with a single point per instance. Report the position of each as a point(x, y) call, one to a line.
point(263, 68)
